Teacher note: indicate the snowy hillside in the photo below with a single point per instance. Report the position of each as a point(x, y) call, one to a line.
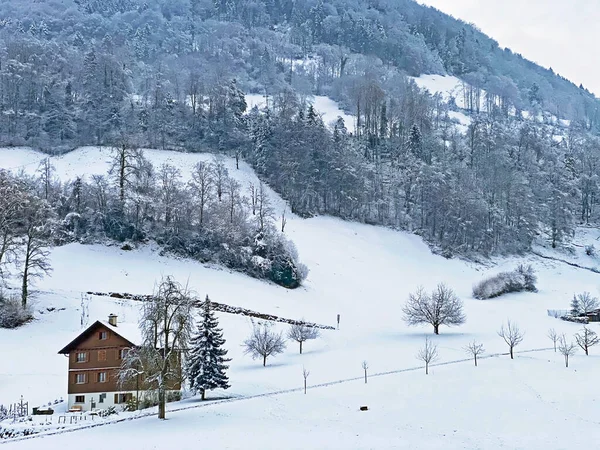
point(327, 108)
point(361, 272)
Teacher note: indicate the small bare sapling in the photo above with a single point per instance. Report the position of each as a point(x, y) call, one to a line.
point(428, 354)
point(474, 349)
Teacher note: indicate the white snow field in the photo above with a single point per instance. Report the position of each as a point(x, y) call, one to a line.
point(529, 403)
point(361, 272)
point(326, 107)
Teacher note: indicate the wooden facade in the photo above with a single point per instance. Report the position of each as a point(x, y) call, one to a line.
point(95, 357)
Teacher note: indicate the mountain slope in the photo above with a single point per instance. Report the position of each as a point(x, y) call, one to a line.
point(364, 273)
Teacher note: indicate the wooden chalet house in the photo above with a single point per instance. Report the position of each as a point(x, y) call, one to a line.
point(95, 358)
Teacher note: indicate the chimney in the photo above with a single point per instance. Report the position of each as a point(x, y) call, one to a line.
point(112, 319)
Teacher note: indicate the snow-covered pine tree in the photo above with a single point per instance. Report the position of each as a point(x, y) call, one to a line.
point(207, 362)
point(575, 307)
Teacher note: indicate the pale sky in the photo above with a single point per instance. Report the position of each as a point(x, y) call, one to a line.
point(562, 34)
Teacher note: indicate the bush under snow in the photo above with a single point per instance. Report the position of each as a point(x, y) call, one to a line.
point(521, 279)
point(12, 314)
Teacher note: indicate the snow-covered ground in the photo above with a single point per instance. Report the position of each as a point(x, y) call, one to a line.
point(530, 403)
point(326, 107)
point(446, 85)
point(361, 272)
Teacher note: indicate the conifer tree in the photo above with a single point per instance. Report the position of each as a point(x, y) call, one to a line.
point(207, 363)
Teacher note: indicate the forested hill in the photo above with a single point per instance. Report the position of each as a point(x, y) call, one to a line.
point(173, 73)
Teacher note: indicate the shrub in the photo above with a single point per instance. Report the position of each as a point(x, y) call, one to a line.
point(111, 410)
point(590, 250)
point(521, 279)
point(12, 314)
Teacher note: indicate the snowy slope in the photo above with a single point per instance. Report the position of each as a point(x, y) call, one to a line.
point(446, 85)
point(326, 107)
point(362, 272)
point(521, 404)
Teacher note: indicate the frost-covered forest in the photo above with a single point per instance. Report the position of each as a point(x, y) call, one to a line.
point(172, 74)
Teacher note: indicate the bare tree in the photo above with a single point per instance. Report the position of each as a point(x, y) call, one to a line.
point(253, 197)
point(264, 209)
point(13, 195)
point(442, 307)
point(365, 366)
point(46, 170)
point(301, 332)
point(475, 349)
point(585, 303)
point(428, 354)
point(169, 178)
point(512, 335)
point(165, 324)
point(263, 343)
point(586, 339)
point(233, 192)
point(566, 349)
point(553, 335)
point(85, 311)
point(201, 186)
point(35, 254)
point(283, 221)
point(220, 175)
point(305, 374)
point(125, 163)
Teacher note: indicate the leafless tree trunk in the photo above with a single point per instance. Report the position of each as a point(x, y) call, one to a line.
point(475, 350)
point(283, 221)
point(428, 354)
point(365, 366)
point(263, 206)
point(219, 176)
point(169, 187)
point(586, 339)
point(233, 191)
point(305, 374)
point(125, 164)
point(201, 185)
point(566, 349)
point(46, 170)
point(253, 198)
point(511, 335)
point(553, 335)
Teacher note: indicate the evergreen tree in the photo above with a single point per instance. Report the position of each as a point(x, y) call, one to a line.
point(207, 363)
point(575, 307)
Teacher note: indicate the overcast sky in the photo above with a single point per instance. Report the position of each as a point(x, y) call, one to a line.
point(562, 34)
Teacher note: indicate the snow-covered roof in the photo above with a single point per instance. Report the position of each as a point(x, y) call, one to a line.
point(128, 331)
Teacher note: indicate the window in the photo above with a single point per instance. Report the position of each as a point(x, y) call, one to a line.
point(81, 357)
point(101, 398)
point(103, 335)
point(102, 377)
point(123, 398)
point(80, 378)
point(101, 355)
point(80, 399)
point(123, 353)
